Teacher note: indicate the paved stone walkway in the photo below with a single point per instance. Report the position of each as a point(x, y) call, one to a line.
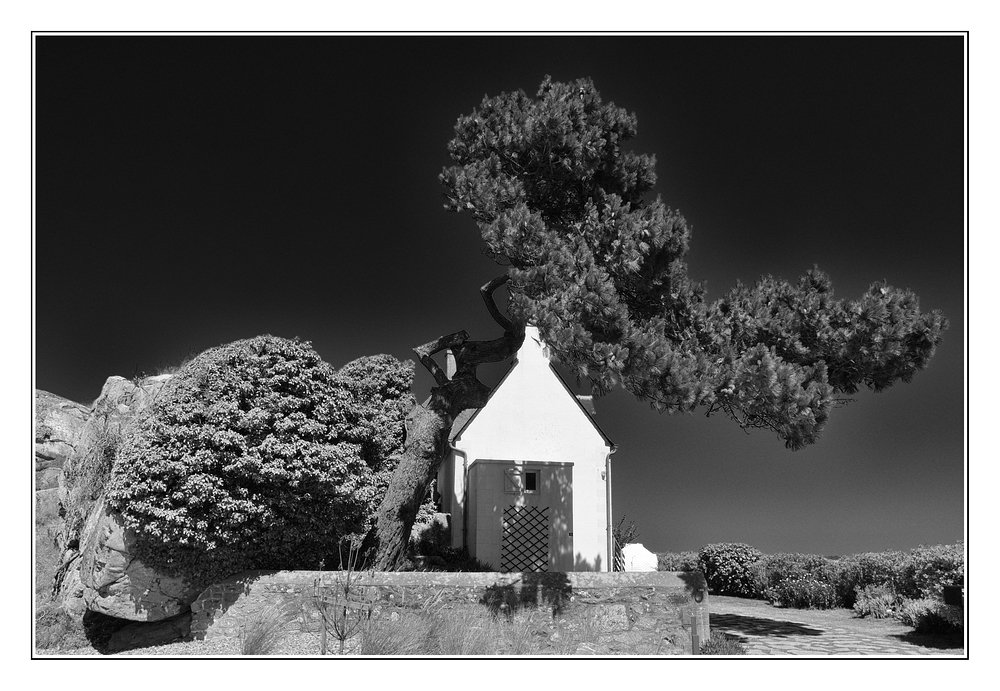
point(765, 636)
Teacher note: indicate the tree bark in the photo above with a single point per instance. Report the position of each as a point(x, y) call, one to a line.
point(428, 428)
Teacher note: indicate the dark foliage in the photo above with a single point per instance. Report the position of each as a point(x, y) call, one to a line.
point(601, 271)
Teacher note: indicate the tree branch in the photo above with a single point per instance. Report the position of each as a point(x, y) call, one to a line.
point(472, 353)
point(487, 292)
point(426, 353)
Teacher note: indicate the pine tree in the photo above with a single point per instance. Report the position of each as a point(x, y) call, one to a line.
point(601, 272)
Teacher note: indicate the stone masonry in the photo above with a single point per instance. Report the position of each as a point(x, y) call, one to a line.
point(630, 611)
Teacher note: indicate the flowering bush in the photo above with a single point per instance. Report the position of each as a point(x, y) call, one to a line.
point(773, 569)
point(256, 454)
point(803, 592)
point(728, 568)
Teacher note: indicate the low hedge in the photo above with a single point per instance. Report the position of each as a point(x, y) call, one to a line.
point(871, 569)
point(810, 580)
point(676, 561)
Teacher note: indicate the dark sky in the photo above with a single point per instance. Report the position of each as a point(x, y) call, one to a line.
point(192, 191)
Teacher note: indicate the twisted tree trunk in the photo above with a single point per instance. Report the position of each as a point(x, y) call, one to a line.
point(428, 427)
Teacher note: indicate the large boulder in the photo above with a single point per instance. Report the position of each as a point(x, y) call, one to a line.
point(59, 425)
point(117, 584)
point(79, 485)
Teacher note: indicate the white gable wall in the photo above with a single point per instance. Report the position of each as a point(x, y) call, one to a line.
point(532, 418)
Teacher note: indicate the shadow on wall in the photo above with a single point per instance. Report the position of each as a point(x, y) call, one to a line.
point(218, 603)
point(509, 497)
point(531, 591)
point(694, 583)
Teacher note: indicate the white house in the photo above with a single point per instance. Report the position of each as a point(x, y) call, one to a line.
point(528, 478)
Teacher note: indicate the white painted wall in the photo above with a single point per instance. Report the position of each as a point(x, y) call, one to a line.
point(532, 418)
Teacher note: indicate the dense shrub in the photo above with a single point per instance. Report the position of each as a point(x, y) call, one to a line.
point(859, 571)
point(927, 615)
point(256, 454)
point(728, 568)
point(677, 561)
point(372, 399)
point(934, 567)
point(795, 580)
point(773, 569)
point(877, 601)
point(921, 573)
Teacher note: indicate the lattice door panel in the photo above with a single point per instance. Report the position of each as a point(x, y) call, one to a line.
point(525, 542)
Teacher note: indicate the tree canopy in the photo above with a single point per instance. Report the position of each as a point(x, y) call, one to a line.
point(601, 271)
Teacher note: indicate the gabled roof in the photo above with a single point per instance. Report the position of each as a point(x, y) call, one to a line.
point(461, 420)
point(584, 402)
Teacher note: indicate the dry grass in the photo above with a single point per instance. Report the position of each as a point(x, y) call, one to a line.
point(264, 629)
point(382, 636)
point(469, 632)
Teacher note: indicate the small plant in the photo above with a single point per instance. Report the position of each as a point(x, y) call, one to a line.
point(86, 472)
point(728, 568)
point(263, 630)
point(346, 611)
point(877, 602)
point(721, 644)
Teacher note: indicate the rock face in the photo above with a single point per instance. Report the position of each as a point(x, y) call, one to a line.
point(116, 583)
point(59, 425)
point(113, 582)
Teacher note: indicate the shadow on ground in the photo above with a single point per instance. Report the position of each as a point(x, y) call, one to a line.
point(932, 640)
point(757, 626)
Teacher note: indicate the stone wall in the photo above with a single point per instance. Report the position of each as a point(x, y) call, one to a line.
point(627, 612)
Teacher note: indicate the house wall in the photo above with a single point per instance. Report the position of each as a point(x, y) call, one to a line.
point(555, 492)
point(533, 418)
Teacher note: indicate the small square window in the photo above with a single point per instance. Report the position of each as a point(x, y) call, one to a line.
point(517, 481)
point(531, 481)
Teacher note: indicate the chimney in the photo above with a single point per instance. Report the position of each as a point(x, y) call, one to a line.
point(450, 366)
